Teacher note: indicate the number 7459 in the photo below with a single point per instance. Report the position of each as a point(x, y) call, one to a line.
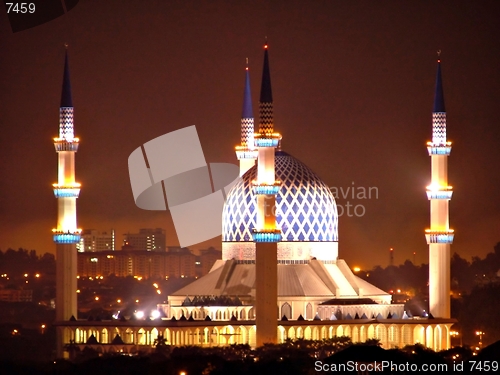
point(20, 7)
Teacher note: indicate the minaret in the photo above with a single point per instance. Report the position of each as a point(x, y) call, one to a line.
point(246, 152)
point(439, 236)
point(266, 235)
point(66, 235)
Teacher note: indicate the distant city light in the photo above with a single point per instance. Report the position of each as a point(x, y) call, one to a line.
point(158, 291)
point(155, 285)
point(155, 314)
point(37, 275)
point(96, 298)
point(139, 314)
point(356, 269)
point(119, 300)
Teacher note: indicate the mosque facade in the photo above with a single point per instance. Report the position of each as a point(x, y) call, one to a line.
point(280, 255)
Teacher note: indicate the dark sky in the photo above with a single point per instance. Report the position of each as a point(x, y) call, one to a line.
point(353, 90)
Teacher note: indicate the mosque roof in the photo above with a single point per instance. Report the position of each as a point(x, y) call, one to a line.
point(311, 279)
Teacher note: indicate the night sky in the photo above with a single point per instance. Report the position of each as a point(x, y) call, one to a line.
point(353, 86)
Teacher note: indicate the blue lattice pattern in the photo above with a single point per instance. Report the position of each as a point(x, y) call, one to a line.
point(434, 149)
point(64, 145)
point(245, 153)
point(66, 237)
point(66, 123)
point(445, 237)
point(271, 140)
point(266, 189)
point(439, 194)
point(266, 236)
point(305, 206)
point(70, 191)
point(439, 128)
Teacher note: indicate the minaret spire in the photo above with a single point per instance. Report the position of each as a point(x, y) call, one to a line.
point(66, 235)
point(438, 92)
point(66, 98)
point(439, 237)
point(246, 151)
point(266, 123)
point(266, 235)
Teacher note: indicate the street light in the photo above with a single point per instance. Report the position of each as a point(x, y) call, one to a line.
point(456, 334)
point(480, 334)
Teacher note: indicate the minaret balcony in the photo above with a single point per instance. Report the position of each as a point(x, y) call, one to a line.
point(266, 235)
point(439, 236)
point(66, 191)
point(68, 237)
point(267, 140)
point(266, 189)
point(439, 192)
point(62, 144)
point(243, 152)
point(439, 148)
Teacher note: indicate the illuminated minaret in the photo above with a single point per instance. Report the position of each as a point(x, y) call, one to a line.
point(439, 236)
point(246, 152)
point(266, 235)
point(66, 235)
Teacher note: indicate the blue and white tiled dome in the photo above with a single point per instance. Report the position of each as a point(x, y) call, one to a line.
point(305, 206)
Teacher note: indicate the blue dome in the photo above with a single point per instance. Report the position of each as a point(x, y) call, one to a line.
point(305, 206)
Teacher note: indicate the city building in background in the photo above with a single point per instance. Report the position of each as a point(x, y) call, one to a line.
point(207, 259)
point(147, 239)
point(174, 263)
point(93, 240)
point(16, 295)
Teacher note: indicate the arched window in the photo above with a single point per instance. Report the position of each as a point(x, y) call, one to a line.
point(309, 311)
point(286, 310)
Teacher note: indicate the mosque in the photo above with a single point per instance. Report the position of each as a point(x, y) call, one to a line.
point(280, 260)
